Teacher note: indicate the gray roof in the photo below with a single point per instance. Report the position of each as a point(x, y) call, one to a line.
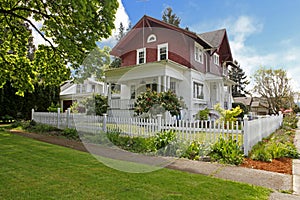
point(214, 37)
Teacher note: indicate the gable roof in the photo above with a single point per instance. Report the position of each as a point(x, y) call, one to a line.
point(214, 38)
point(150, 22)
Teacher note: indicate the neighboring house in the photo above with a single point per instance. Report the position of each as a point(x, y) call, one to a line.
point(162, 57)
point(256, 105)
point(74, 92)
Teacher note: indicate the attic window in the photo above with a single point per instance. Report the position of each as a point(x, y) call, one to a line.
point(151, 38)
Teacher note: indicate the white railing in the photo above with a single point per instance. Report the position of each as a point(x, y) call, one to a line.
point(121, 103)
point(247, 133)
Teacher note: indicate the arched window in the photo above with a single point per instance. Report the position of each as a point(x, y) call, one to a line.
point(151, 38)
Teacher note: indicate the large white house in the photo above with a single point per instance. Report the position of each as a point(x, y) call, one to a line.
point(163, 57)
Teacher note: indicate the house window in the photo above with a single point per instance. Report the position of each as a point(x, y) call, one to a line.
point(141, 56)
point(173, 86)
point(198, 54)
point(151, 38)
point(198, 91)
point(152, 87)
point(115, 88)
point(162, 52)
point(216, 59)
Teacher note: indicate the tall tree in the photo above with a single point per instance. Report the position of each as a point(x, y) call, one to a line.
point(274, 86)
point(240, 78)
point(70, 28)
point(170, 18)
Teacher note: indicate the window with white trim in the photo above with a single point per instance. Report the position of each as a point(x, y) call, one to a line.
point(151, 38)
point(216, 59)
point(141, 56)
point(173, 86)
point(198, 54)
point(198, 91)
point(162, 52)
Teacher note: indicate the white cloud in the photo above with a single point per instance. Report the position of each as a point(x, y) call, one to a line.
point(121, 17)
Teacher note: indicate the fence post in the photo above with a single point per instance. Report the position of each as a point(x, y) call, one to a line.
point(104, 122)
point(68, 117)
point(58, 118)
point(32, 114)
point(159, 117)
point(246, 135)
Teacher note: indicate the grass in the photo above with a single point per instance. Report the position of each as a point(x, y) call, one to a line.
point(30, 169)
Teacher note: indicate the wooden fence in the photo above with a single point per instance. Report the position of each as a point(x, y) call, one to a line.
point(247, 133)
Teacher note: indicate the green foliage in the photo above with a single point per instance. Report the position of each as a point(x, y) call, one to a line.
point(74, 28)
point(278, 145)
point(53, 107)
point(202, 114)
point(97, 105)
point(228, 115)
point(6, 119)
point(290, 121)
point(155, 103)
point(237, 75)
point(20, 107)
point(164, 138)
point(244, 108)
point(159, 142)
point(196, 150)
point(227, 151)
point(74, 108)
point(274, 85)
point(170, 18)
point(70, 133)
point(133, 144)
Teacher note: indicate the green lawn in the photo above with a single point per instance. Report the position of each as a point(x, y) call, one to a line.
point(30, 169)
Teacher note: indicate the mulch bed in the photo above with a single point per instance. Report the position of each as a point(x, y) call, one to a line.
point(282, 165)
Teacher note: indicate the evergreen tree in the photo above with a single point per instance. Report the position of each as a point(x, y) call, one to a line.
point(171, 18)
point(237, 75)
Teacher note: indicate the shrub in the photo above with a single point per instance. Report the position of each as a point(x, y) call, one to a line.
point(196, 150)
point(164, 138)
point(226, 151)
point(53, 107)
point(290, 121)
point(70, 133)
point(202, 114)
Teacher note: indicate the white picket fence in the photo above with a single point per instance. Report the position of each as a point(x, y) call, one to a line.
point(247, 133)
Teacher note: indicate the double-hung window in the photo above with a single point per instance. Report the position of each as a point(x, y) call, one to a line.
point(216, 59)
point(162, 53)
point(141, 56)
point(198, 91)
point(198, 54)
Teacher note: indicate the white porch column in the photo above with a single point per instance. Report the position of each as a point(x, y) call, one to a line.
point(109, 91)
point(164, 83)
point(168, 82)
point(159, 84)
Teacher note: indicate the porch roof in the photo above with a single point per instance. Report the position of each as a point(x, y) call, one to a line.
point(141, 71)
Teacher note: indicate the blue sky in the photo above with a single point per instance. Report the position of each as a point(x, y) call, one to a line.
point(261, 32)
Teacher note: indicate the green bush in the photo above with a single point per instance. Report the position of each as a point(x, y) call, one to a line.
point(70, 133)
point(202, 114)
point(290, 121)
point(164, 138)
point(226, 151)
point(278, 145)
point(196, 150)
point(53, 107)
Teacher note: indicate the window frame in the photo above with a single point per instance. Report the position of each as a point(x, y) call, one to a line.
point(216, 59)
point(198, 53)
point(138, 51)
point(149, 39)
point(159, 47)
point(197, 94)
